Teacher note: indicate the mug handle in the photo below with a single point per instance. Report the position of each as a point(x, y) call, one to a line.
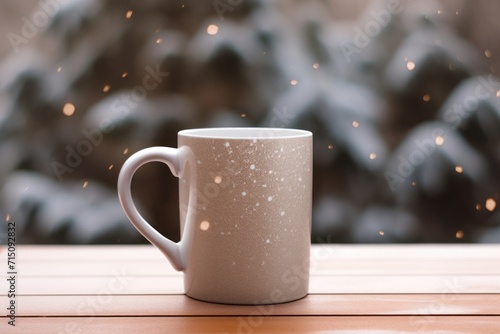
point(172, 157)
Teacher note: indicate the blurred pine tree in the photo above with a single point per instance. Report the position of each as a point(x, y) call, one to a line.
point(404, 111)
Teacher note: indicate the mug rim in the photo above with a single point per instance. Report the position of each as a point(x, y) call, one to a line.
point(264, 133)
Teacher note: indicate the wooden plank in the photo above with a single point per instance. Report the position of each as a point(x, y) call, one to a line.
point(91, 253)
point(408, 251)
point(334, 267)
point(180, 305)
point(81, 275)
point(145, 260)
point(451, 284)
point(118, 284)
point(89, 269)
point(370, 266)
point(122, 283)
point(320, 252)
point(259, 324)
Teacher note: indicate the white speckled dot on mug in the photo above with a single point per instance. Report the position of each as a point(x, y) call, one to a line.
point(245, 207)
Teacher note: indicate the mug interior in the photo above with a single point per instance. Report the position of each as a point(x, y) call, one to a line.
point(245, 133)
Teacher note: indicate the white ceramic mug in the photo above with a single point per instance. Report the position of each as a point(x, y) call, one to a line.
point(245, 206)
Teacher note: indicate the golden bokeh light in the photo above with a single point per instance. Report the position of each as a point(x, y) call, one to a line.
point(68, 109)
point(490, 204)
point(204, 225)
point(212, 29)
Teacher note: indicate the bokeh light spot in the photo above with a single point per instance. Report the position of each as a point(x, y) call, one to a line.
point(68, 109)
point(204, 225)
point(212, 29)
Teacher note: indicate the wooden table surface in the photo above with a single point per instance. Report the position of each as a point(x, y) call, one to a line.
point(353, 289)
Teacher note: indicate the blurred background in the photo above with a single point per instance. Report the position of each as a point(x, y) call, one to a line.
point(403, 98)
